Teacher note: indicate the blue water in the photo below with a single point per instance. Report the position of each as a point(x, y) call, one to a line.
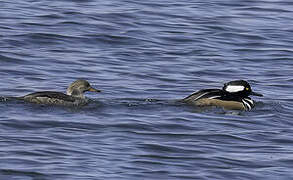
point(145, 55)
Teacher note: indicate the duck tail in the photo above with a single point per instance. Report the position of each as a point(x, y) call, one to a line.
point(5, 98)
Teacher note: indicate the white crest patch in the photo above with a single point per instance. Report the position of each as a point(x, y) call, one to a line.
point(233, 89)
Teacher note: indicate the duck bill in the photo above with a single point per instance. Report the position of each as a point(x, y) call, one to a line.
point(94, 90)
point(255, 94)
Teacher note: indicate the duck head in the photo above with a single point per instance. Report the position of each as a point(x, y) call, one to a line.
point(239, 88)
point(78, 87)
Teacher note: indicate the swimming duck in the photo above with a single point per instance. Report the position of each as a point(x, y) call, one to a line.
point(74, 95)
point(233, 96)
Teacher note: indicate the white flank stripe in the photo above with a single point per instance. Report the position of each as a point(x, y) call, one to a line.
point(214, 97)
point(249, 100)
point(200, 96)
point(246, 105)
point(231, 88)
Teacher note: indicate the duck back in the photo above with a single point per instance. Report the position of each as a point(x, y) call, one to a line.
point(51, 97)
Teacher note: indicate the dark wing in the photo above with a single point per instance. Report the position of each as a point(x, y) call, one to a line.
point(205, 93)
point(52, 94)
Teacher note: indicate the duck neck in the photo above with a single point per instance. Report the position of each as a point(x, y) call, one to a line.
point(75, 93)
point(234, 96)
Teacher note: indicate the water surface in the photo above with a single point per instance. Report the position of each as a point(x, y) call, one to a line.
point(144, 56)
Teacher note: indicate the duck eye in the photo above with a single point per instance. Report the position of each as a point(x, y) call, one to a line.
point(247, 89)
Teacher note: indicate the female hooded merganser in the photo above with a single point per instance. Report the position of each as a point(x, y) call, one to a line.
point(73, 97)
point(233, 96)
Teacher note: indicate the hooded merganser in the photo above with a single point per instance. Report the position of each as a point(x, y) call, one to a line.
point(74, 95)
point(233, 96)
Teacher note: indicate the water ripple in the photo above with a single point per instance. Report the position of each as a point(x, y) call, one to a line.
point(145, 56)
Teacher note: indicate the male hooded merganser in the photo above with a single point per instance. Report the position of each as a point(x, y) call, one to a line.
point(233, 96)
point(74, 95)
